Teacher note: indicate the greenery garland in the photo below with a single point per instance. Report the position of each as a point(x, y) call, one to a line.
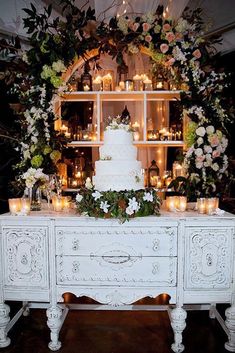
point(178, 47)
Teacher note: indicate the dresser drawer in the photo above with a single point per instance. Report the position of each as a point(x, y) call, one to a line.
point(116, 270)
point(149, 241)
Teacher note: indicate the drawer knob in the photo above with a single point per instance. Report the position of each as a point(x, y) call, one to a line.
point(75, 245)
point(24, 260)
point(155, 268)
point(156, 244)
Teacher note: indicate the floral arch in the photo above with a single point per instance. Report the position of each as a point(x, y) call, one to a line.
point(59, 47)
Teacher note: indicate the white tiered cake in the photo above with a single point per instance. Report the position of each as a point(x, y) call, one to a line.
point(118, 168)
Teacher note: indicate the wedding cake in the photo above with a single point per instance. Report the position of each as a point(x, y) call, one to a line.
point(118, 168)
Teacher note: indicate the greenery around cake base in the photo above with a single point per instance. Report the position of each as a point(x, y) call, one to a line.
point(122, 205)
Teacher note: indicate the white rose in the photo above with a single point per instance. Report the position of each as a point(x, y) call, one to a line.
point(208, 149)
point(210, 129)
point(215, 167)
point(198, 152)
point(88, 183)
point(199, 141)
point(199, 165)
point(201, 131)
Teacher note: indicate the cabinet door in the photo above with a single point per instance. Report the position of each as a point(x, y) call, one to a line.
point(208, 258)
point(26, 256)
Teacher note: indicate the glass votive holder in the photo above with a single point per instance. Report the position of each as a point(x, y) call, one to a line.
point(148, 85)
point(14, 206)
point(65, 203)
point(182, 203)
point(138, 83)
point(211, 204)
point(201, 205)
point(129, 85)
point(170, 203)
point(57, 203)
point(25, 206)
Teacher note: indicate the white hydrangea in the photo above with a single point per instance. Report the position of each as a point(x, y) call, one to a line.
point(198, 152)
point(215, 167)
point(148, 196)
point(207, 149)
point(79, 198)
point(200, 141)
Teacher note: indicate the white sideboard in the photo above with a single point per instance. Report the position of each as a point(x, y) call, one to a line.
point(188, 256)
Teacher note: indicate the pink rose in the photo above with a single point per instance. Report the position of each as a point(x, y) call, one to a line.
point(164, 48)
point(197, 54)
point(170, 62)
point(215, 154)
point(166, 27)
point(200, 159)
point(146, 27)
point(170, 37)
point(135, 26)
point(148, 38)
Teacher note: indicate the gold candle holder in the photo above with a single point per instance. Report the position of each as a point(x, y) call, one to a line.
point(201, 205)
point(57, 203)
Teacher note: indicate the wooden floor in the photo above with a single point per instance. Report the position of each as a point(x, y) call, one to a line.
point(117, 332)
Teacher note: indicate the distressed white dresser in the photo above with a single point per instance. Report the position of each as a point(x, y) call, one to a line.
point(188, 256)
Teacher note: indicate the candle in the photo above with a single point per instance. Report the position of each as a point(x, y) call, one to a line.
point(57, 203)
point(107, 82)
point(211, 204)
point(63, 129)
point(138, 84)
point(159, 85)
point(97, 83)
point(136, 135)
point(65, 203)
point(86, 88)
point(148, 85)
point(182, 203)
point(170, 203)
point(201, 205)
point(14, 206)
point(122, 85)
point(154, 180)
point(67, 135)
point(25, 206)
point(118, 89)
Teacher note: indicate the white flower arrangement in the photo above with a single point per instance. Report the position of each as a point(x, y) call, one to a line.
point(32, 176)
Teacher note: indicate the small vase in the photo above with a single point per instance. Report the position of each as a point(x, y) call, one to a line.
point(35, 198)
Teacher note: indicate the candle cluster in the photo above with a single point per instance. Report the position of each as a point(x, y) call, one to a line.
point(164, 134)
point(207, 205)
point(19, 206)
point(176, 203)
point(60, 203)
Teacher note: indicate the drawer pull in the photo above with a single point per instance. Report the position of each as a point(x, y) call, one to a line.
point(209, 260)
point(156, 244)
point(75, 245)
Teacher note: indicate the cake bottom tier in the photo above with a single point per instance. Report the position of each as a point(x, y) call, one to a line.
point(118, 182)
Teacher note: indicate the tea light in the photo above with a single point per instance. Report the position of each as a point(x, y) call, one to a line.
point(65, 203)
point(25, 206)
point(148, 85)
point(57, 203)
point(182, 204)
point(14, 206)
point(86, 88)
point(201, 205)
point(122, 85)
point(159, 84)
point(97, 83)
point(136, 135)
point(170, 203)
point(107, 82)
point(138, 85)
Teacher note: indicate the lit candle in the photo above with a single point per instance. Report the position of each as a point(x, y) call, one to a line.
point(138, 85)
point(159, 85)
point(63, 129)
point(97, 83)
point(136, 135)
point(170, 203)
point(182, 203)
point(65, 203)
point(14, 206)
point(107, 82)
point(201, 205)
point(86, 88)
point(210, 205)
point(148, 85)
point(57, 203)
point(25, 206)
point(122, 85)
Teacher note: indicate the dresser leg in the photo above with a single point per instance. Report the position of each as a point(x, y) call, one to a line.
point(178, 323)
point(230, 323)
point(4, 319)
point(54, 314)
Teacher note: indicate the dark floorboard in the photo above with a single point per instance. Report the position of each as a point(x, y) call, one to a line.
point(117, 332)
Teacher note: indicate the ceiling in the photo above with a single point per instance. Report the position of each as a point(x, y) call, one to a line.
point(219, 15)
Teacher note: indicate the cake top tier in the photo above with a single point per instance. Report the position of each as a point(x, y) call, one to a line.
point(118, 137)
